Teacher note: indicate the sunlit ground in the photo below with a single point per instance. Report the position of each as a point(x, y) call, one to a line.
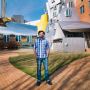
point(27, 63)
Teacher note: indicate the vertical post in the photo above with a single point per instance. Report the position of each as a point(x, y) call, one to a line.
point(6, 39)
point(3, 8)
point(86, 45)
point(18, 38)
point(9, 38)
point(29, 39)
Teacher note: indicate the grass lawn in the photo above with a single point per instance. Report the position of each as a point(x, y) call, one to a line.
point(27, 63)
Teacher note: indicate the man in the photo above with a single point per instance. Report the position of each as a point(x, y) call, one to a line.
point(42, 50)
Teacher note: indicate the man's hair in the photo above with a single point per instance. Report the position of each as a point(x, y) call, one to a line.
point(40, 32)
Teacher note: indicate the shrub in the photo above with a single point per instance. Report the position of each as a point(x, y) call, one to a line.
point(13, 45)
point(2, 44)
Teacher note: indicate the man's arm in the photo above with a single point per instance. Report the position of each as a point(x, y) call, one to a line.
point(48, 49)
point(35, 52)
point(34, 49)
point(48, 52)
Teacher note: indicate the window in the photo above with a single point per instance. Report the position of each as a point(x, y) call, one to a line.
point(81, 0)
point(54, 14)
point(60, 8)
point(57, 41)
point(55, 8)
point(68, 13)
point(54, 31)
point(50, 21)
point(69, 35)
point(53, 1)
point(47, 30)
point(82, 9)
point(70, 4)
point(89, 3)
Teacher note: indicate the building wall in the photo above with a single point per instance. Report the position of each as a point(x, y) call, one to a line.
point(53, 8)
point(48, 9)
point(69, 44)
point(18, 18)
point(59, 8)
point(72, 16)
point(52, 3)
point(86, 15)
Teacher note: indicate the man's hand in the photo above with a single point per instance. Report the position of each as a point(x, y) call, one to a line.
point(35, 53)
point(48, 52)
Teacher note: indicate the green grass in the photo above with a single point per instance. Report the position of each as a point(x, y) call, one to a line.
point(27, 63)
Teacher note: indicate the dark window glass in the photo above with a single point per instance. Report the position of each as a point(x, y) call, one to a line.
point(53, 1)
point(82, 9)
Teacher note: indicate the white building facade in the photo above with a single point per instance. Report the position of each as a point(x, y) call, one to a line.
point(64, 21)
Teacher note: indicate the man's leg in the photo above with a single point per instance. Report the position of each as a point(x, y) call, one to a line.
point(45, 63)
point(39, 70)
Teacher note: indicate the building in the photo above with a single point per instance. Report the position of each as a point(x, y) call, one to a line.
point(3, 8)
point(64, 22)
point(83, 9)
point(15, 31)
point(18, 18)
point(23, 34)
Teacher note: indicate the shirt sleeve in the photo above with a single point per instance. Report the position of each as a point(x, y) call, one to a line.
point(47, 45)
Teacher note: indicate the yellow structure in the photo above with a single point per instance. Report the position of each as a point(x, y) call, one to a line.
point(4, 20)
point(7, 19)
point(42, 25)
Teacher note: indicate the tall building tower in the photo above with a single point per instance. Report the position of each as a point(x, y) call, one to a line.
point(3, 8)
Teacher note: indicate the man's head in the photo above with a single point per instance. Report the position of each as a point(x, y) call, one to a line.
point(41, 34)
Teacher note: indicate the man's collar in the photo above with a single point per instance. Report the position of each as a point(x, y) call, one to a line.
point(41, 38)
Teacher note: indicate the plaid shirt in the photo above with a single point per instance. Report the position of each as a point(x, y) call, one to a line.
point(41, 46)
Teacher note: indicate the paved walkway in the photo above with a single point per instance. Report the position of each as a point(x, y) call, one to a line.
point(75, 76)
point(10, 77)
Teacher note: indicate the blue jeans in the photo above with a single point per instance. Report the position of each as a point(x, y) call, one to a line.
point(39, 64)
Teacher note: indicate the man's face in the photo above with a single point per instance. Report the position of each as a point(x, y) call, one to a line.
point(41, 34)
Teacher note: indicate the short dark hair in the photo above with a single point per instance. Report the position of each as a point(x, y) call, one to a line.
point(40, 32)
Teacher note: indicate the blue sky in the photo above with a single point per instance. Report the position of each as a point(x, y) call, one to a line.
point(30, 9)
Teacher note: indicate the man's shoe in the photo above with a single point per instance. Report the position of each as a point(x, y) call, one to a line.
point(38, 83)
point(49, 82)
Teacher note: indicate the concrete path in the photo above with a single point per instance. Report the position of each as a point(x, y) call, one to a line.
point(12, 78)
point(75, 76)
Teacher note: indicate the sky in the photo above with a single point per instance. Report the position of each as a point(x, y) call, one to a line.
point(30, 9)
